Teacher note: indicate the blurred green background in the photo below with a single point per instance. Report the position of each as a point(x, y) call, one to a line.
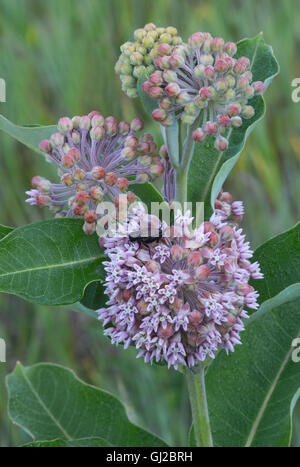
point(57, 58)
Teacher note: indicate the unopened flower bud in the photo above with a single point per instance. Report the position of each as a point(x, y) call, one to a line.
point(248, 111)
point(79, 174)
point(96, 193)
point(124, 128)
point(165, 103)
point(122, 183)
point(75, 137)
point(195, 258)
point(198, 135)
point(98, 172)
point(110, 178)
point(82, 197)
point(85, 123)
point(131, 198)
point(57, 139)
point(137, 124)
point(205, 93)
point(202, 272)
point(195, 317)
point(65, 124)
point(157, 169)
point(45, 145)
point(217, 44)
point(177, 252)
point(196, 39)
point(226, 232)
point(67, 179)
point(259, 87)
point(175, 61)
point(224, 120)
point(221, 66)
point(159, 115)
point(233, 109)
point(97, 133)
point(230, 48)
point(211, 128)
point(89, 229)
point(111, 126)
point(90, 217)
point(221, 144)
point(199, 71)
point(68, 161)
point(214, 239)
point(143, 307)
point(207, 59)
point(236, 122)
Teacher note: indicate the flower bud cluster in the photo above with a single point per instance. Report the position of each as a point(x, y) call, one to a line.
point(181, 298)
point(138, 57)
point(98, 158)
point(202, 82)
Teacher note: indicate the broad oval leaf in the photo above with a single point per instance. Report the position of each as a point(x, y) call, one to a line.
point(30, 136)
point(49, 262)
point(210, 168)
point(49, 402)
point(279, 259)
point(251, 393)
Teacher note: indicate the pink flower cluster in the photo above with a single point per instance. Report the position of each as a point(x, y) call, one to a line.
point(182, 297)
point(97, 158)
point(201, 81)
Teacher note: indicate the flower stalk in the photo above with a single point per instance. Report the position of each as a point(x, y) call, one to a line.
point(195, 381)
point(198, 400)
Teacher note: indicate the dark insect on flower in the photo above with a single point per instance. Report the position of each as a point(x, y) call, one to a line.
point(142, 238)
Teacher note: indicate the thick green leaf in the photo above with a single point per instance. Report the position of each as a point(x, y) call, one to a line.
point(49, 402)
point(75, 443)
point(4, 231)
point(210, 168)
point(31, 136)
point(279, 258)
point(49, 262)
point(251, 393)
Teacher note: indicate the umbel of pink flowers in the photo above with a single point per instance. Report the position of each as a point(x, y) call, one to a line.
point(197, 82)
point(181, 298)
point(97, 158)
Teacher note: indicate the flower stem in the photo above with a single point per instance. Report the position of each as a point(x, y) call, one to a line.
point(197, 393)
point(181, 186)
point(196, 381)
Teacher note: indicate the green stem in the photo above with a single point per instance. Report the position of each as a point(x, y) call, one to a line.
point(196, 381)
point(197, 393)
point(181, 186)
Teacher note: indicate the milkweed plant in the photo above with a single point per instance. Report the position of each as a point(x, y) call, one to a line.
point(146, 226)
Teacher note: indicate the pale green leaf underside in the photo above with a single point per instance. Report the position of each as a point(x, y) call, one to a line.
point(49, 262)
point(30, 136)
point(49, 402)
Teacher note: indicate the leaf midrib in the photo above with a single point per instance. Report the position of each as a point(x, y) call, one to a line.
point(34, 392)
point(267, 399)
point(52, 266)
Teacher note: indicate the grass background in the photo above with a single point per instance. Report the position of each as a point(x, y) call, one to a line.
point(57, 58)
